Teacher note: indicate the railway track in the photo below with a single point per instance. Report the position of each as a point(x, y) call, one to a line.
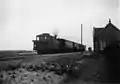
point(27, 55)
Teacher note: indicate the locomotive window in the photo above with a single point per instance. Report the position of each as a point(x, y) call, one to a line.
point(34, 45)
point(45, 37)
point(37, 38)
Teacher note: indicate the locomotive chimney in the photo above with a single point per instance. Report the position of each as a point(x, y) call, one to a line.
point(55, 36)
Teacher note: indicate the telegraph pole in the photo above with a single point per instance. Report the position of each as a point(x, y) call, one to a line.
point(81, 33)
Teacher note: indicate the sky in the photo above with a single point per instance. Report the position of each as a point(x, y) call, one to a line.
point(22, 20)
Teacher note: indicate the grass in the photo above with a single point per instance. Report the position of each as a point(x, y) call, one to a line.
point(12, 53)
point(4, 62)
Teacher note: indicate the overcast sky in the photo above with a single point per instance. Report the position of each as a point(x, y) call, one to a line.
point(22, 20)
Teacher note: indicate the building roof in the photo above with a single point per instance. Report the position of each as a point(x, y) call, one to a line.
point(99, 31)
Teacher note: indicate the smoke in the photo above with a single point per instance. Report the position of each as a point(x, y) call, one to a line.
point(55, 33)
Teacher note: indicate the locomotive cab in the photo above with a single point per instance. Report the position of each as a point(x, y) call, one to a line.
point(44, 43)
point(41, 43)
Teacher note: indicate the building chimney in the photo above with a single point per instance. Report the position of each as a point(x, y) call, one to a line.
point(109, 20)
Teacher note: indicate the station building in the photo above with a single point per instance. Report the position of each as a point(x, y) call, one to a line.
point(103, 37)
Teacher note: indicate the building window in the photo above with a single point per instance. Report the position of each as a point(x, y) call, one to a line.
point(101, 45)
point(104, 44)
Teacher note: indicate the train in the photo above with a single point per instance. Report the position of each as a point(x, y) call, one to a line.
point(46, 43)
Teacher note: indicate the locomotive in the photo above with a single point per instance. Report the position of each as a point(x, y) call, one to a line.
point(46, 43)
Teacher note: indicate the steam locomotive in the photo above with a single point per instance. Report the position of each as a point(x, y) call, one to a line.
point(46, 43)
